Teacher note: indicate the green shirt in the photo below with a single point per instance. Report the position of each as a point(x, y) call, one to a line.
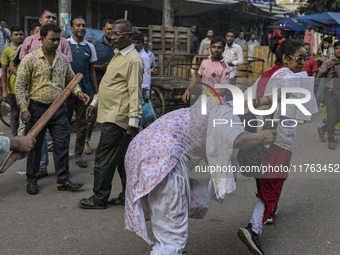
point(6, 58)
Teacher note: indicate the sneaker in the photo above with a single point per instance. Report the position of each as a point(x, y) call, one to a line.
point(251, 239)
point(87, 149)
point(321, 134)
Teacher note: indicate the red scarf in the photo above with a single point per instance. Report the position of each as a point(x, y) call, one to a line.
point(261, 86)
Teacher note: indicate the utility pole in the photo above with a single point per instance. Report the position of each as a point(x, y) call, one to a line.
point(89, 13)
point(168, 14)
point(64, 15)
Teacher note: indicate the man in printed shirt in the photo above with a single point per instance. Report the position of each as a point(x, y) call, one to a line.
point(233, 53)
point(32, 43)
point(46, 71)
point(119, 109)
point(213, 70)
point(84, 56)
point(17, 36)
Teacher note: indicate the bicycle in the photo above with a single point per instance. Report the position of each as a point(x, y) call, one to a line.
point(5, 110)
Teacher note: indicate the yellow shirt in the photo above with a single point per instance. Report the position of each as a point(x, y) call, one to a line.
point(46, 82)
point(6, 58)
point(118, 97)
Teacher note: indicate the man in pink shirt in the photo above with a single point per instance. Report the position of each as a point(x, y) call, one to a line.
point(213, 70)
point(33, 42)
point(310, 66)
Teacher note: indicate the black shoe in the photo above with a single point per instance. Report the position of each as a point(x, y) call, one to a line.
point(81, 162)
point(251, 239)
point(41, 174)
point(89, 203)
point(331, 145)
point(117, 201)
point(32, 188)
point(69, 186)
point(321, 134)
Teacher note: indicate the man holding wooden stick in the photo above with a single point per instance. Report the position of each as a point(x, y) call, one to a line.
point(47, 70)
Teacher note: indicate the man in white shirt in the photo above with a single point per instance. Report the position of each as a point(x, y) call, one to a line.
point(240, 39)
point(233, 53)
point(147, 49)
point(138, 40)
point(251, 44)
point(204, 50)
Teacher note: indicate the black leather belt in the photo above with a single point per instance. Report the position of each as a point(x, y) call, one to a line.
point(39, 103)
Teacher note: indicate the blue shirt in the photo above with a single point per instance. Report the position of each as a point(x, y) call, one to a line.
point(83, 54)
point(105, 53)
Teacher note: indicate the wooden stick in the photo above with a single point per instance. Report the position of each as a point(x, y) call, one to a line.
point(41, 123)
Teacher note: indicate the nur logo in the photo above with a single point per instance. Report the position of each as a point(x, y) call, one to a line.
point(238, 100)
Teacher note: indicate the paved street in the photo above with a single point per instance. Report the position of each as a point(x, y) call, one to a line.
point(52, 223)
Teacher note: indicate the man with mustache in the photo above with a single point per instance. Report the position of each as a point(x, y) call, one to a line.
point(32, 43)
point(47, 71)
point(119, 109)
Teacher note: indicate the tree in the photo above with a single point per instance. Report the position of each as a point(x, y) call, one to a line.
point(317, 6)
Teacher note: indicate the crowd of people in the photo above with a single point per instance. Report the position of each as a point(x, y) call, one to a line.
point(325, 68)
point(154, 163)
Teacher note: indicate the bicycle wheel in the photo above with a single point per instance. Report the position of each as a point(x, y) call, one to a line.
point(5, 110)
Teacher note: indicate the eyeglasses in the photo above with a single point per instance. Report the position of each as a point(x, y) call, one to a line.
point(301, 59)
point(116, 34)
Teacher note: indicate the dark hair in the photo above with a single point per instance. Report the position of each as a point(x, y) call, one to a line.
point(230, 31)
point(138, 37)
point(110, 21)
point(306, 43)
point(76, 17)
point(252, 34)
point(217, 39)
point(1, 19)
point(34, 25)
point(127, 23)
point(336, 44)
point(48, 10)
point(328, 39)
point(49, 27)
point(16, 29)
point(288, 47)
